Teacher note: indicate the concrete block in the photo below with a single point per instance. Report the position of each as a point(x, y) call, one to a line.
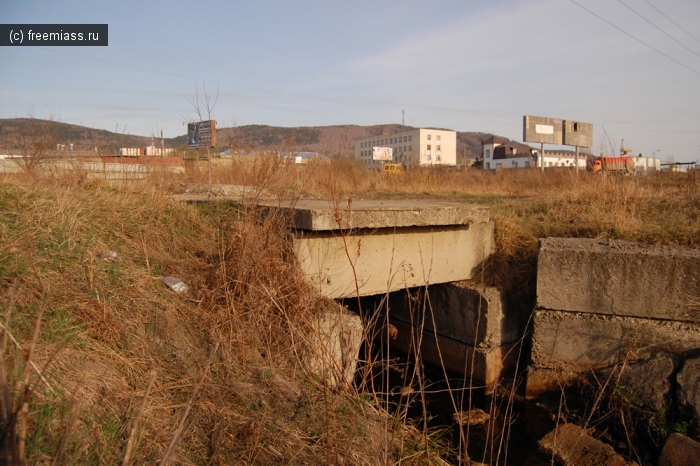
point(389, 259)
point(619, 278)
point(649, 381)
point(689, 385)
point(474, 315)
point(680, 450)
point(570, 445)
point(566, 345)
point(337, 335)
point(480, 364)
point(325, 215)
point(467, 329)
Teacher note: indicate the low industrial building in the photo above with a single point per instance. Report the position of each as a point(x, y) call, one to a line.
point(151, 150)
point(500, 153)
point(644, 165)
point(420, 146)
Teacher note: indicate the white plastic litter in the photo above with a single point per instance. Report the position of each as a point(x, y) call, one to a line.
point(175, 284)
point(109, 256)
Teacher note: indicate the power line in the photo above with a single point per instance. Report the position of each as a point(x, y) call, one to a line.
point(679, 26)
point(657, 27)
point(467, 111)
point(635, 38)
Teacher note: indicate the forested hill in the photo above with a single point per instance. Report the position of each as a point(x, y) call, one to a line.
point(333, 141)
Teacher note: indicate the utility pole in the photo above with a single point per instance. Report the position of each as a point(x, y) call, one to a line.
point(542, 157)
point(402, 117)
point(576, 159)
point(162, 155)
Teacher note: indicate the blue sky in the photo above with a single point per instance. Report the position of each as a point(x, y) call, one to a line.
point(464, 65)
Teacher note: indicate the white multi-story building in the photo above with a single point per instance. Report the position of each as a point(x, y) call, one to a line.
point(421, 146)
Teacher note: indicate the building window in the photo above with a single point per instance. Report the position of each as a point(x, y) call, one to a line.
point(437, 147)
point(410, 147)
point(438, 158)
point(527, 164)
point(437, 137)
point(498, 166)
point(428, 146)
point(488, 165)
point(488, 154)
point(427, 158)
point(515, 164)
point(428, 137)
point(410, 138)
point(405, 138)
point(575, 126)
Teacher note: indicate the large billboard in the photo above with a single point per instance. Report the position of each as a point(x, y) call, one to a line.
point(578, 133)
point(201, 134)
point(543, 130)
point(382, 153)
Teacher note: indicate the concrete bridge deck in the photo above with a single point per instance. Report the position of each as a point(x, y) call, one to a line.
point(373, 247)
point(368, 247)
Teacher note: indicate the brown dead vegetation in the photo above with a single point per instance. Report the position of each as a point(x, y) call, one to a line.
point(230, 385)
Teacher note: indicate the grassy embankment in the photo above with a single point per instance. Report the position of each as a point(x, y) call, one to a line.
point(220, 371)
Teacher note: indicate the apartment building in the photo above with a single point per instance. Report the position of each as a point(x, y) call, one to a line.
point(421, 146)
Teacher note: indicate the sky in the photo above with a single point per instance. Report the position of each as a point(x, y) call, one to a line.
point(630, 67)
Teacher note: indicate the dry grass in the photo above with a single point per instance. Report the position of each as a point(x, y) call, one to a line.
point(108, 325)
point(230, 384)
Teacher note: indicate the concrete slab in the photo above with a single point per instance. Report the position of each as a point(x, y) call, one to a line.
point(475, 315)
point(466, 329)
point(324, 215)
point(567, 345)
point(482, 365)
point(336, 340)
point(372, 262)
point(585, 341)
point(327, 215)
point(368, 247)
point(619, 278)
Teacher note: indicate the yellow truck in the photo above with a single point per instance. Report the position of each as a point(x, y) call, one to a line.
point(393, 168)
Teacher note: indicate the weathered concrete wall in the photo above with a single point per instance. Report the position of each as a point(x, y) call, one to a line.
point(607, 306)
point(462, 312)
point(324, 215)
point(466, 329)
point(338, 335)
point(582, 342)
point(618, 278)
point(389, 259)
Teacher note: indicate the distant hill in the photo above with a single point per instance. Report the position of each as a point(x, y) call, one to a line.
point(82, 138)
point(333, 141)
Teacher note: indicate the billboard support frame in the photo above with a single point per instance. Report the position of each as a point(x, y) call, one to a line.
point(557, 131)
